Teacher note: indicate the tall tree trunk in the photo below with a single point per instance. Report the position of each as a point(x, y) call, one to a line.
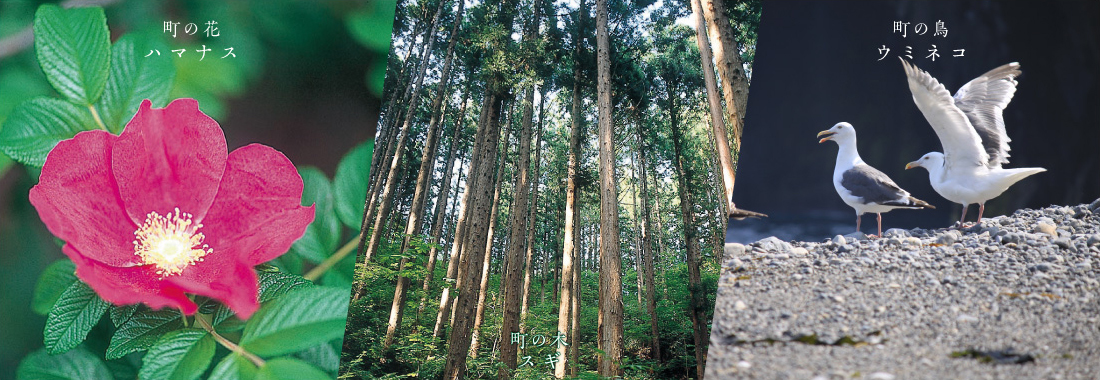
point(387, 191)
point(481, 181)
point(647, 249)
point(718, 124)
point(572, 215)
point(575, 317)
point(532, 214)
point(611, 302)
point(445, 299)
point(687, 206)
point(483, 286)
point(735, 85)
point(441, 206)
point(517, 257)
point(420, 194)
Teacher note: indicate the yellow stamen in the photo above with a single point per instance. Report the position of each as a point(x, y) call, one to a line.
point(170, 242)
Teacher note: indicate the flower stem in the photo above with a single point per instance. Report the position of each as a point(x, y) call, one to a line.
point(227, 343)
point(324, 266)
point(98, 120)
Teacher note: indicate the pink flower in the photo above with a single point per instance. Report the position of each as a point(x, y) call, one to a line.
point(162, 210)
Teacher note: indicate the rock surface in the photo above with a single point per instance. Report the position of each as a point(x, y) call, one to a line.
point(917, 304)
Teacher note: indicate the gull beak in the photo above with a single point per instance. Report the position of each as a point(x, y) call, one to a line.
point(912, 165)
point(828, 135)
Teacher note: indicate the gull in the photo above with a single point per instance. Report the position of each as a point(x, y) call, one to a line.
point(971, 130)
point(861, 186)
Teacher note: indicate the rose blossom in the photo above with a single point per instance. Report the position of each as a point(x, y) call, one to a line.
point(162, 210)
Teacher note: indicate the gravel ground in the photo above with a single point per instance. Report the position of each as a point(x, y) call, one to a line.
point(1016, 297)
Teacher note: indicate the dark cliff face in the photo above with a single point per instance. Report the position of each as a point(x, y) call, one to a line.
point(817, 63)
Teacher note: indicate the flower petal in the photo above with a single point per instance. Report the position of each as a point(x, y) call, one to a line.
point(167, 158)
point(222, 276)
point(129, 285)
point(258, 207)
point(77, 199)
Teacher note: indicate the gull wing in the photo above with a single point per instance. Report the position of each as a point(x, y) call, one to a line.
point(983, 100)
point(962, 148)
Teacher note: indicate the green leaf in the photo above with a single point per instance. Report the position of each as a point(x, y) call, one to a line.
point(78, 364)
point(37, 125)
point(73, 47)
point(296, 321)
point(141, 331)
point(350, 184)
point(179, 355)
point(233, 367)
point(121, 314)
point(274, 284)
point(290, 369)
point(325, 356)
point(75, 313)
point(134, 77)
point(320, 238)
point(54, 280)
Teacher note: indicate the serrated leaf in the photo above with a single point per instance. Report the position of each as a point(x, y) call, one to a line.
point(54, 280)
point(76, 364)
point(234, 367)
point(325, 356)
point(290, 369)
point(141, 331)
point(274, 284)
point(75, 313)
point(121, 314)
point(320, 238)
point(73, 48)
point(37, 125)
point(350, 184)
point(178, 355)
point(134, 77)
point(296, 321)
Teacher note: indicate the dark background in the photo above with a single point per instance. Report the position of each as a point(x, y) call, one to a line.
point(817, 64)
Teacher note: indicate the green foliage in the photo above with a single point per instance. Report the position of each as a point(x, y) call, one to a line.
point(72, 317)
point(234, 367)
point(290, 369)
point(37, 125)
point(178, 355)
point(51, 284)
point(134, 78)
point(141, 330)
point(321, 236)
point(303, 318)
point(75, 364)
point(73, 48)
point(350, 184)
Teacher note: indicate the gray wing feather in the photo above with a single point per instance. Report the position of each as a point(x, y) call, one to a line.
point(872, 185)
point(983, 100)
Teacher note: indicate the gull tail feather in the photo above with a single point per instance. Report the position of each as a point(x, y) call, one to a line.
point(910, 202)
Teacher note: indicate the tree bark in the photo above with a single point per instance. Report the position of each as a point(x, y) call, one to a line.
point(441, 206)
point(496, 90)
point(387, 191)
point(687, 210)
point(647, 247)
point(483, 286)
point(517, 257)
point(415, 221)
point(532, 214)
point(572, 215)
point(718, 124)
point(611, 303)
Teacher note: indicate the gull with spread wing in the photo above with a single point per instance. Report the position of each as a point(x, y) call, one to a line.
point(971, 129)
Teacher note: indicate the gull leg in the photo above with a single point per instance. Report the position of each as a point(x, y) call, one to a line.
point(879, 224)
point(981, 209)
point(857, 222)
point(963, 217)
